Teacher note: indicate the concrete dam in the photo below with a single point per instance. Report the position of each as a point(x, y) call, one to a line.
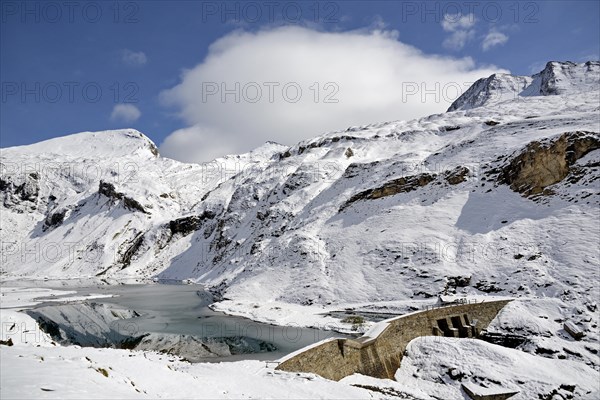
point(379, 352)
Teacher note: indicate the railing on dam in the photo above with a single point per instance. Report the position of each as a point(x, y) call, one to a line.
point(379, 352)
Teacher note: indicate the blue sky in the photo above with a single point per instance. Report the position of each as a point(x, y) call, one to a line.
point(85, 66)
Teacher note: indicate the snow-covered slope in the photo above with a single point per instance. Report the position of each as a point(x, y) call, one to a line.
point(81, 205)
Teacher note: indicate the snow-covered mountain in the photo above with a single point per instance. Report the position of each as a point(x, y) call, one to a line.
point(81, 205)
point(333, 218)
point(555, 79)
point(499, 196)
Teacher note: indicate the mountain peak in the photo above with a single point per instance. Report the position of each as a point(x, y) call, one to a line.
point(558, 77)
point(111, 143)
point(563, 77)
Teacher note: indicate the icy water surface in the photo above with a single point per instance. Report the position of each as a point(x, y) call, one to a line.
point(183, 310)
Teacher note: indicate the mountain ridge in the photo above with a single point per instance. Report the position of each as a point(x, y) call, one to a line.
point(556, 78)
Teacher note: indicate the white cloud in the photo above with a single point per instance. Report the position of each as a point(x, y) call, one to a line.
point(125, 113)
point(455, 22)
point(133, 58)
point(457, 40)
point(493, 38)
point(195, 144)
point(373, 76)
point(460, 28)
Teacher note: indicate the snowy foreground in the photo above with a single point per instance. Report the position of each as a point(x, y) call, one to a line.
point(434, 368)
point(35, 367)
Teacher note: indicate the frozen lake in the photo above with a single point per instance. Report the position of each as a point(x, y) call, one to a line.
point(175, 309)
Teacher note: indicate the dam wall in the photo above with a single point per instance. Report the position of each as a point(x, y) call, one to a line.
point(379, 352)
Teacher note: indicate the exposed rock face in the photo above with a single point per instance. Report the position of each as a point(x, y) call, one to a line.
point(187, 225)
point(456, 281)
point(356, 169)
point(540, 165)
point(54, 219)
point(404, 184)
point(457, 175)
point(131, 250)
point(154, 149)
point(29, 190)
point(15, 193)
point(400, 185)
point(108, 189)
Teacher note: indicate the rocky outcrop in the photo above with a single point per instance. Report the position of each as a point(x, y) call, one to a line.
point(540, 165)
point(15, 193)
point(55, 219)
point(400, 185)
point(187, 225)
point(457, 175)
point(355, 169)
point(133, 247)
point(154, 149)
point(108, 189)
point(404, 184)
